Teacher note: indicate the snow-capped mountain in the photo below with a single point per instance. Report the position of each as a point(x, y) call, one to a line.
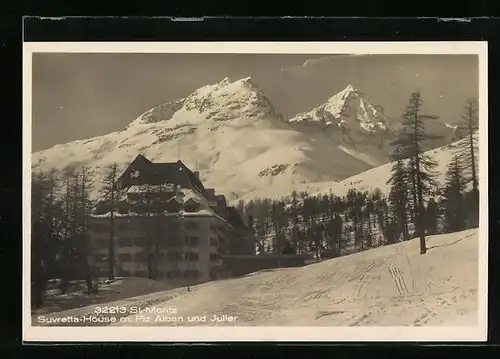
point(240, 144)
point(350, 119)
point(228, 131)
point(348, 109)
point(222, 101)
point(356, 123)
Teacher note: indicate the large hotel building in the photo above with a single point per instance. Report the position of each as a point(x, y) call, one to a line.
point(165, 224)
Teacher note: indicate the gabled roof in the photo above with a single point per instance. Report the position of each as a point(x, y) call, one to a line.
point(178, 173)
point(172, 172)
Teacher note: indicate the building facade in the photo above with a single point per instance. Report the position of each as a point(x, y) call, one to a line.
point(165, 225)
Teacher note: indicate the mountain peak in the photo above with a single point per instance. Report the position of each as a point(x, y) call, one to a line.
point(222, 101)
point(347, 108)
point(344, 94)
point(225, 81)
point(230, 100)
point(349, 88)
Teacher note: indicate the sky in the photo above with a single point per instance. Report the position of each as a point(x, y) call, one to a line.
point(77, 96)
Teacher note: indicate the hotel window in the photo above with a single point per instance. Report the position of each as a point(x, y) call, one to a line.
point(174, 240)
point(161, 256)
point(141, 256)
point(125, 257)
point(191, 256)
point(139, 242)
point(173, 226)
point(174, 256)
point(192, 241)
point(214, 257)
point(213, 242)
point(123, 225)
point(192, 225)
point(125, 242)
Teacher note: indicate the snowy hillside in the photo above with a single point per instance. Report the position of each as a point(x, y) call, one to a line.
point(392, 285)
point(229, 132)
point(366, 181)
point(377, 177)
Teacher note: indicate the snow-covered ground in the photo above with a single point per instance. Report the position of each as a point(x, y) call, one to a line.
point(77, 298)
point(365, 181)
point(377, 177)
point(387, 286)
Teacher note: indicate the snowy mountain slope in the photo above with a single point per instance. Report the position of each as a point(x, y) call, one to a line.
point(363, 130)
point(228, 131)
point(392, 285)
point(375, 177)
point(346, 109)
point(378, 176)
point(350, 119)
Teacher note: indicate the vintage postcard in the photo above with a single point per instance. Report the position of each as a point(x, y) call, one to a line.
point(204, 192)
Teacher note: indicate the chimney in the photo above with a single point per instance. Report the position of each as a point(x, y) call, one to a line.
point(197, 175)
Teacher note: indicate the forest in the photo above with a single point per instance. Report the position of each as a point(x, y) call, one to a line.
point(416, 205)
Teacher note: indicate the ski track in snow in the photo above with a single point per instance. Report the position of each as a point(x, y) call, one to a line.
point(392, 285)
point(387, 286)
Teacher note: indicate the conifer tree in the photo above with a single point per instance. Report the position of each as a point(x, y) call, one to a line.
point(368, 215)
point(411, 140)
point(111, 194)
point(68, 227)
point(76, 208)
point(453, 196)
point(431, 216)
point(336, 233)
point(468, 151)
point(241, 210)
point(84, 184)
point(399, 193)
point(294, 217)
point(45, 233)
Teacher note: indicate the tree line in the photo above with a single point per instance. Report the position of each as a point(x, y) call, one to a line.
point(61, 206)
point(416, 205)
